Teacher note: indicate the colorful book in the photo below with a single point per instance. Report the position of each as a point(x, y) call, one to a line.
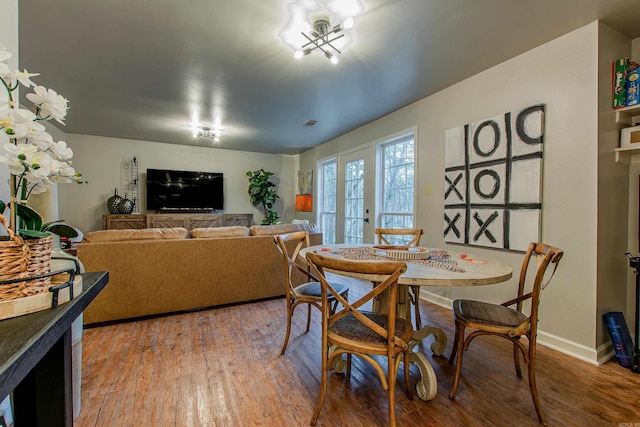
point(620, 71)
point(620, 338)
point(633, 87)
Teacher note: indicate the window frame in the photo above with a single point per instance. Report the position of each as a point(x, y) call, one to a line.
point(381, 145)
point(320, 167)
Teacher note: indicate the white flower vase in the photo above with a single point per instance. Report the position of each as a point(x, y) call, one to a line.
point(76, 326)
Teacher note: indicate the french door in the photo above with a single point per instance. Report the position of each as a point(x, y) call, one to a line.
point(355, 188)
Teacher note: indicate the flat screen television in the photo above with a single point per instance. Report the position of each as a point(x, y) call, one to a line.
point(184, 190)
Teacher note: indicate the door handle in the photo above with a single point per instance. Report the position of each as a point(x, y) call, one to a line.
point(365, 220)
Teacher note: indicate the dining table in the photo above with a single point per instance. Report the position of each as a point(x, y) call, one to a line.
point(425, 267)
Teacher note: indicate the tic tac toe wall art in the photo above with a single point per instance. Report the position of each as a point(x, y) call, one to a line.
point(493, 180)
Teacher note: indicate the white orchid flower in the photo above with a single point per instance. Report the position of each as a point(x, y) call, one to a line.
point(38, 187)
point(30, 152)
point(16, 122)
point(54, 167)
point(61, 150)
point(20, 150)
point(37, 128)
point(41, 138)
point(16, 157)
point(39, 164)
point(14, 166)
point(66, 174)
point(24, 77)
point(50, 103)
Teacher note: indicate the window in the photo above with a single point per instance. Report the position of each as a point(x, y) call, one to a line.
point(354, 201)
point(397, 188)
point(327, 189)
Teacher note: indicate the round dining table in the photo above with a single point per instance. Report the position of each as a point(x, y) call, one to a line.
point(431, 267)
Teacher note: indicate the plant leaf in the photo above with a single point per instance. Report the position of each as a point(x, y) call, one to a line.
point(33, 233)
point(62, 230)
point(29, 219)
point(3, 206)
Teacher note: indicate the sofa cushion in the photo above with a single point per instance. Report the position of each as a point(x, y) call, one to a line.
point(136, 234)
point(270, 230)
point(214, 232)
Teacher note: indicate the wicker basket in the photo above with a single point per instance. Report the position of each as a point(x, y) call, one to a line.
point(23, 258)
point(400, 252)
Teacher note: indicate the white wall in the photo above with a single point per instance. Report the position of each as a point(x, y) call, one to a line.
point(613, 191)
point(9, 39)
point(634, 217)
point(563, 75)
point(100, 159)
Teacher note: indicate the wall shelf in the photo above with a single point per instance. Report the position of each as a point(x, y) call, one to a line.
point(625, 115)
point(628, 155)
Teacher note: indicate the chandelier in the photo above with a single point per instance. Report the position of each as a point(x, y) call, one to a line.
point(323, 26)
point(322, 38)
point(202, 130)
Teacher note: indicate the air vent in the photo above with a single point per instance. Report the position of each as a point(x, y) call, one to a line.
point(310, 123)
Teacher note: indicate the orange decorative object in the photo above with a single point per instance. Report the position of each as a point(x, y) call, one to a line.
point(304, 203)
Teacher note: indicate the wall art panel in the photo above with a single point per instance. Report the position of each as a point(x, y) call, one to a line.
point(493, 180)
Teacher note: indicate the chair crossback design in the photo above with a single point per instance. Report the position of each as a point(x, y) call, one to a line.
point(306, 293)
point(386, 237)
point(506, 322)
point(351, 331)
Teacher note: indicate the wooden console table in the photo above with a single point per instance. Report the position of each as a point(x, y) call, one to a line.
point(186, 220)
point(35, 359)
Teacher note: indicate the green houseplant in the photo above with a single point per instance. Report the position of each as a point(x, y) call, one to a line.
point(262, 193)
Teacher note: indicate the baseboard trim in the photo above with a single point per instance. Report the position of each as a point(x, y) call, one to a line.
point(594, 356)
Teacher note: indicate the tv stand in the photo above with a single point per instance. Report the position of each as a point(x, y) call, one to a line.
point(165, 220)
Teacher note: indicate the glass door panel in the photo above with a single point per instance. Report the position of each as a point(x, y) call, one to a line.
point(355, 196)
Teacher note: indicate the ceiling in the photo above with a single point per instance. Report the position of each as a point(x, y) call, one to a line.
point(136, 69)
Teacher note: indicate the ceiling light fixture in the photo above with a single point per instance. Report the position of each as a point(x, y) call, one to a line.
point(322, 38)
point(311, 26)
point(202, 130)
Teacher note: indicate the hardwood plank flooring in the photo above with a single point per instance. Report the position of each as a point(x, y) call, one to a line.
point(222, 367)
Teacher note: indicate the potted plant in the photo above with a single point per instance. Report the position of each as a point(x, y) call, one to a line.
point(262, 193)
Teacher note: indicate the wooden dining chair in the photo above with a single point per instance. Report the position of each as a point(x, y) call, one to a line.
point(307, 293)
point(505, 322)
point(363, 333)
point(386, 237)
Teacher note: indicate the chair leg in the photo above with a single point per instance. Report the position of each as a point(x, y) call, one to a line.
point(407, 378)
point(391, 389)
point(458, 350)
point(286, 336)
point(454, 349)
point(323, 386)
point(516, 360)
point(415, 290)
point(308, 316)
point(348, 367)
point(533, 387)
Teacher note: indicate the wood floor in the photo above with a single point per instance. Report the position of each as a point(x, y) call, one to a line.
point(222, 367)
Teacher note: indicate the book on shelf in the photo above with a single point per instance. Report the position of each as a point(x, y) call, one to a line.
point(621, 69)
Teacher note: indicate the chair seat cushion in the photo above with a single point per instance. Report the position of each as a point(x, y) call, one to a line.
point(312, 289)
point(488, 314)
point(351, 328)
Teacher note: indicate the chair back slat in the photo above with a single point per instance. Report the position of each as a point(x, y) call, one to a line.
point(545, 255)
point(384, 274)
point(383, 235)
point(301, 240)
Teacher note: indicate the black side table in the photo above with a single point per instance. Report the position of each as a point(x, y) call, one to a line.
point(35, 359)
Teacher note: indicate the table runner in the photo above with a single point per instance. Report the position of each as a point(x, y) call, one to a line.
point(438, 258)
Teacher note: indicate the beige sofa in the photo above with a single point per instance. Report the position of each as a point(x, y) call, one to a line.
point(158, 271)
